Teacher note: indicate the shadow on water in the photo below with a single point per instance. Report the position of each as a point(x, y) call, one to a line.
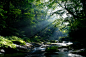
point(18, 54)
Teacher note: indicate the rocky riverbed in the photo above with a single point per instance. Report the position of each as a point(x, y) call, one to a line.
point(63, 52)
point(38, 50)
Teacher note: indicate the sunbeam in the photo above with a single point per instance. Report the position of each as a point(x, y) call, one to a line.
point(48, 29)
point(56, 34)
point(40, 26)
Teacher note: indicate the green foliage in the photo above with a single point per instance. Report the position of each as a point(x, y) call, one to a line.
point(28, 40)
point(6, 43)
point(17, 40)
point(52, 49)
point(17, 17)
point(53, 41)
point(65, 38)
point(77, 20)
point(14, 15)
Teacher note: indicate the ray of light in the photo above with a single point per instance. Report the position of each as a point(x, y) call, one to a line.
point(40, 26)
point(43, 32)
point(56, 34)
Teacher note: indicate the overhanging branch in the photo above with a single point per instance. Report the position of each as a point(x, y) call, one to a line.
point(68, 10)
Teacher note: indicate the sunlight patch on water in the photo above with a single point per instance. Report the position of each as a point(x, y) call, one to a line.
point(74, 55)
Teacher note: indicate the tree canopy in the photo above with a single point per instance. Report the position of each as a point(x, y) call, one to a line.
point(75, 11)
point(22, 17)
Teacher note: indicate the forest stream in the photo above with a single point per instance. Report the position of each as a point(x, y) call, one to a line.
point(27, 23)
point(40, 52)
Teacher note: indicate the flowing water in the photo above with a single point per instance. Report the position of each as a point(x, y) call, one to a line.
point(64, 52)
point(40, 52)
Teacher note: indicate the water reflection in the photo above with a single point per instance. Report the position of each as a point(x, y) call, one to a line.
point(64, 54)
point(74, 55)
point(60, 54)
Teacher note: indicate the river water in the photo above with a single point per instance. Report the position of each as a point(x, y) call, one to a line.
point(40, 52)
point(64, 52)
point(59, 54)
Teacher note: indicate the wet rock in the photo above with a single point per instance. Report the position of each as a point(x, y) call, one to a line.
point(81, 52)
point(28, 44)
point(36, 44)
point(22, 48)
point(2, 51)
point(10, 50)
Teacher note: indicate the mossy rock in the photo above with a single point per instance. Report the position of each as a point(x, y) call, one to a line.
point(52, 49)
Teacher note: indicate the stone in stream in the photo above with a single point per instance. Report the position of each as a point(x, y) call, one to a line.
point(36, 44)
point(36, 52)
point(2, 51)
point(64, 52)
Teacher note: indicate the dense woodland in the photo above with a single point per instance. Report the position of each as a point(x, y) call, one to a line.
point(29, 20)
